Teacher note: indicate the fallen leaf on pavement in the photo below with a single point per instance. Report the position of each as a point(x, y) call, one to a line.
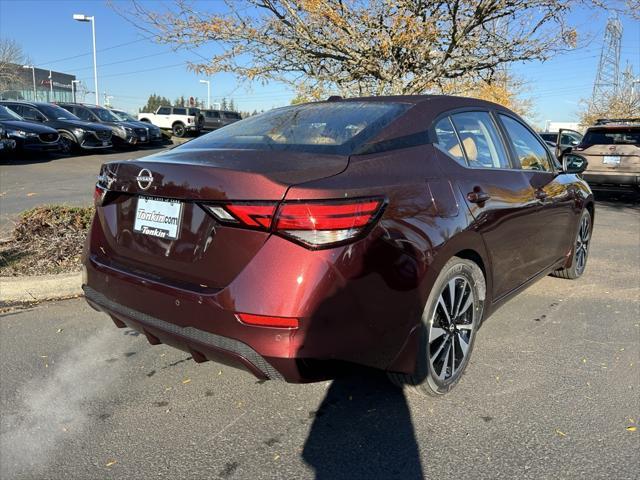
point(186, 380)
point(31, 194)
point(632, 428)
point(111, 462)
point(560, 433)
point(60, 330)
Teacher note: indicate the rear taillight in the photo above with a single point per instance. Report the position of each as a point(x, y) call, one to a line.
point(316, 224)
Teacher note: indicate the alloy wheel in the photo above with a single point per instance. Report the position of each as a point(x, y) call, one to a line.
point(582, 244)
point(451, 329)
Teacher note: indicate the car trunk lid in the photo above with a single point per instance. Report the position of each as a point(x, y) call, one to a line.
point(205, 253)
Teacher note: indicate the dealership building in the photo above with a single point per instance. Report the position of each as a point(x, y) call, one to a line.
point(37, 84)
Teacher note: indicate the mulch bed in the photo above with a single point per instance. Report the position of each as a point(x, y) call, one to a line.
point(46, 240)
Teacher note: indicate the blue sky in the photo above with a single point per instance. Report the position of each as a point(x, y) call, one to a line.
point(130, 72)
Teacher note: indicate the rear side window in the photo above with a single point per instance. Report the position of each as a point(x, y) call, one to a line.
point(619, 136)
point(232, 115)
point(164, 111)
point(179, 111)
point(531, 154)
point(210, 114)
point(480, 140)
point(448, 140)
point(332, 127)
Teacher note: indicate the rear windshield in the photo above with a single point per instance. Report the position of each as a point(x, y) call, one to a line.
point(619, 136)
point(333, 128)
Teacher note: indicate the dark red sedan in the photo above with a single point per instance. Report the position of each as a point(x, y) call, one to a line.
point(371, 231)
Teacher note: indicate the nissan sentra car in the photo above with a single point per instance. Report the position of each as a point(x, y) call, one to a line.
point(378, 231)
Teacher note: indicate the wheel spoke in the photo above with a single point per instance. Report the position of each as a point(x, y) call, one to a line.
point(464, 346)
point(438, 351)
point(436, 333)
point(464, 326)
point(467, 303)
point(453, 356)
point(463, 289)
point(443, 371)
point(452, 296)
point(443, 306)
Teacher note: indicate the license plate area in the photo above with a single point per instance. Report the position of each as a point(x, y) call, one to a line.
point(611, 160)
point(157, 217)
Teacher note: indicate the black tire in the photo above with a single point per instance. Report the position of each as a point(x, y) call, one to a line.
point(435, 373)
point(68, 145)
point(580, 252)
point(178, 129)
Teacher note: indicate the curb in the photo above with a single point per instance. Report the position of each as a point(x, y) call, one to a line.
point(40, 287)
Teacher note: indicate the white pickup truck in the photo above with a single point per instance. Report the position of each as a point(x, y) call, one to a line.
point(179, 120)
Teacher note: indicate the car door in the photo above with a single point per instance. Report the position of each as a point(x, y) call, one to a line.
point(566, 140)
point(554, 216)
point(499, 196)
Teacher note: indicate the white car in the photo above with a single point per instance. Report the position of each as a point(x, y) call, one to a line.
point(180, 120)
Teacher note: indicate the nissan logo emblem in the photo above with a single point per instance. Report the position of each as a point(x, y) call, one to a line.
point(144, 178)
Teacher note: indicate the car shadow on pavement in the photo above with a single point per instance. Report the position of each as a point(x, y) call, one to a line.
point(363, 430)
point(617, 199)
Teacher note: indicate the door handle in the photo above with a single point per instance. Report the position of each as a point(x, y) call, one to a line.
point(478, 196)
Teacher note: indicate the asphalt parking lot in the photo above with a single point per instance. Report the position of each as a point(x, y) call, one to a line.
point(552, 391)
point(40, 179)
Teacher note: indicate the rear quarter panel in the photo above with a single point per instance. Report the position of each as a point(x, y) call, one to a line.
point(383, 281)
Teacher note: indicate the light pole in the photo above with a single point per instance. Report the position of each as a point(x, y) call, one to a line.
point(208, 93)
point(73, 89)
point(50, 86)
point(33, 72)
point(84, 18)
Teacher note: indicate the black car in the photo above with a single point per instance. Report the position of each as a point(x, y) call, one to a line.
point(28, 135)
point(154, 133)
point(125, 134)
point(75, 134)
point(215, 119)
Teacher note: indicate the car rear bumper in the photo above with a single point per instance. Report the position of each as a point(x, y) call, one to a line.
point(612, 178)
point(202, 345)
point(339, 325)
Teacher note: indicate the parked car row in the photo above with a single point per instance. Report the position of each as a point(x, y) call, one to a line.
point(189, 120)
point(72, 127)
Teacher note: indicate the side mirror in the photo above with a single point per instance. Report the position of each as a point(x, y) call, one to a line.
point(574, 163)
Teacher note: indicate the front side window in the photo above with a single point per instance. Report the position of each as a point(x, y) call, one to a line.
point(480, 140)
point(212, 114)
point(448, 140)
point(570, 138)
point(30, 113)
point(83, 114)
point(531, 154)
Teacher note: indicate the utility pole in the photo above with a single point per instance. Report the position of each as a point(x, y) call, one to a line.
point(50, 86)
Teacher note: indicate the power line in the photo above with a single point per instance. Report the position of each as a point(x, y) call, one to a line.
point(125, 61)
point(59, 60)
